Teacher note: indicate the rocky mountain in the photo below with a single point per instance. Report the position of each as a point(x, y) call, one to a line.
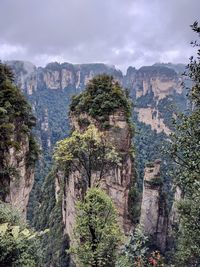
point(18, 149)
point(49, 89)
point(118, 179)
point(154, 217)
point(156, 92)
point(153, 89)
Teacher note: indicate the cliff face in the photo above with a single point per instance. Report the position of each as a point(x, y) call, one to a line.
point(18, 149)
point(161, 81)
point(116, 182)
point(49, 89)
point(57, 76)
point(19, 182)
point(25, 75)
point(153, 209)
point(150, 86)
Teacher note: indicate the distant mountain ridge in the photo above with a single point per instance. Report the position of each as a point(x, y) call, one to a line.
point(156, 92)
point(51, 87)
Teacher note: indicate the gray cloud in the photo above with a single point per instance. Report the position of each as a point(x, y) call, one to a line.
point(120, 32)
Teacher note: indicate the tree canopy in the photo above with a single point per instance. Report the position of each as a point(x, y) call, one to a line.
point(87, 152)
point(97, 231)
point(19, 245)
point(185, 150)
point(102, 96)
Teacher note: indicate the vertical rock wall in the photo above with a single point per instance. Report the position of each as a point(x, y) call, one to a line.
point(153, 209)
point(20, 182)
point(116, 182)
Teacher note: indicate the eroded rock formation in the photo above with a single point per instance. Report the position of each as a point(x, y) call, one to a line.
point(116, 182)
point(19, 181)
point(148, 86)
point(153, 209)
point(18, 148)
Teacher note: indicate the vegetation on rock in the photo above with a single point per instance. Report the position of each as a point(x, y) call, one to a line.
point(185, 150)
point(97, 231)
point(49, 216)
point(136, 252)
point(19, 245)
point(16, 122)
point(87, 152)
point(102, 97)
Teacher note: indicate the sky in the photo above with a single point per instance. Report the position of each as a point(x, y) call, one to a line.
point(116, 32)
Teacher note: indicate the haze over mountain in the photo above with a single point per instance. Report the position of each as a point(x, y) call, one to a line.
point(116, 32)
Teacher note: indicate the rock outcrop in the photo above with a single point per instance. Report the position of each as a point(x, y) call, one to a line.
point(159, 80)
point(116, 182)
point(151, 116)
point(149, 86)
point(57, 76)
point(56, 83)
point(154, 218)
point(18, 148)
point(19, 182)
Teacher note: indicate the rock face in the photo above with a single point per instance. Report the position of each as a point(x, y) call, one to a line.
point(116, 182)
point(53, 86)
point(18, 147)
point(57, 76)
point(159, 80)
point(25, 75)
point(20, 183)
point(153, 209)
point(173, 219)
point(150, 86)
point(173, 216)
point(151, 116)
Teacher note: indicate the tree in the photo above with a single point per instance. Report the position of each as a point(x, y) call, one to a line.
point(97, 231)
point(86, 152)
point(16, 122)
point(134, 252)
point(102, 97)
point(137, 247)
point(185, 150)
point(19, 245)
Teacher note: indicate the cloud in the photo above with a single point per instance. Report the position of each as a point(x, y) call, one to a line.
point(120, 32)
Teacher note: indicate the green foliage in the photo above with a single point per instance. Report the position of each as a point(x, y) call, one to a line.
point(15, 112)
point(16, 122)
point(157, 181)
point(146, 100)
point(136, 249)
point(49, 216)
point(19, 246)
point(102, 97)
point(185, 150)
point(86, 152)
point(56, 243)
point(136, 252)
point(33, 153)
point(188, 248)
point(149, 146)
point(134, 203)
point(97, 232)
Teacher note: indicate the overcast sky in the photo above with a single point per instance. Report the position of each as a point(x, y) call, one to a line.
point(117, 32)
